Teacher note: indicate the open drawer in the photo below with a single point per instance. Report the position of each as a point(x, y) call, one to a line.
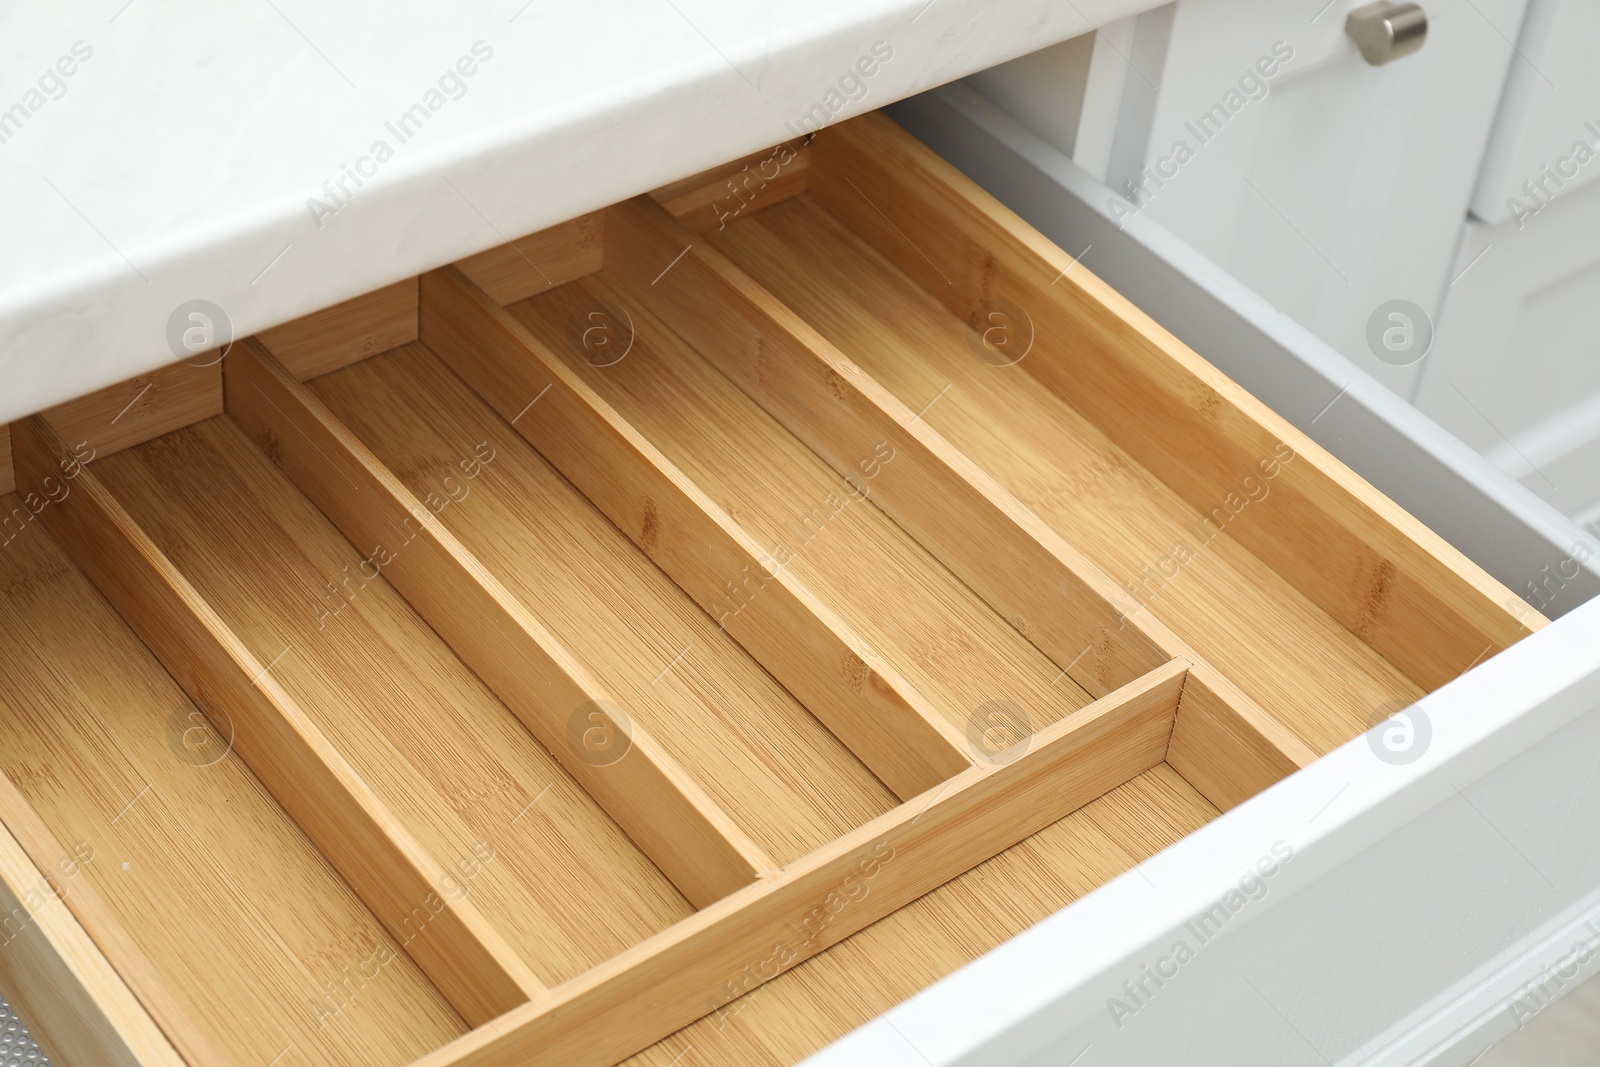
point(686, 632)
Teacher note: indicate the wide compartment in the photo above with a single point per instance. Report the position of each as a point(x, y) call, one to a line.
point(673, 637)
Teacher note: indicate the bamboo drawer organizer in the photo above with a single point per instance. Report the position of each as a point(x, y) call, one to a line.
point(680, 635)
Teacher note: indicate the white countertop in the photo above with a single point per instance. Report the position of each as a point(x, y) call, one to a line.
point(151, 156)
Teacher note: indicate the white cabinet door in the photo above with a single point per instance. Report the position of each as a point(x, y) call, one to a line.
point(1514, 371)
point(1331, 187)
point(1545, 140)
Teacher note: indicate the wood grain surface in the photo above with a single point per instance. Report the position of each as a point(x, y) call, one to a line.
point(103, 744)
point(508, 833)
point(865, 975)
point(1042, 585)
point(776, 771)
point(897, 638)
point(701, 964)
point(746, 583)
point(346, 333)
point(1045, 587)
point(1336, 540)
point(713, 198)
point(149, 405)
point(1300, 664)
point(661, 808)
point(407, 889)
point(518, 269)
point(931, 629)
point(56, 977)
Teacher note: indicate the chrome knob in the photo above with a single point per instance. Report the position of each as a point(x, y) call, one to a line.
point(1385, 31)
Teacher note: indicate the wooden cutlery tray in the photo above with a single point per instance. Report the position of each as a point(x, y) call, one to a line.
point(680, 635)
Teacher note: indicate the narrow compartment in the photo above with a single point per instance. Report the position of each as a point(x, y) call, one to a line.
point(975, 670)
point(1305, 668)
point(530, 849)
point(244, 923)
point(761, 756)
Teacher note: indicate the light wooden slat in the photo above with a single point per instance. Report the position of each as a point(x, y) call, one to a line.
point(713, 198)
point(456, 947)
point(346, 333)
point(670, 818)
point(890, 726)
point(1041, 584)
point(1352, 551)
point(141, 408)
point(1225, 746)
point(101, 924)
point(75, 1005)
point(528, 265)
point(678, 976)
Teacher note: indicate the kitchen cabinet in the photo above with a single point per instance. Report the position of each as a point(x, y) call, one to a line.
point(695, 612)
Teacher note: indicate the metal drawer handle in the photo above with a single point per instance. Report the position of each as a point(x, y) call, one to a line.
point(1385, 31)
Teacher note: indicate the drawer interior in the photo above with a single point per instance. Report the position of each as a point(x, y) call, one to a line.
point(678, 635)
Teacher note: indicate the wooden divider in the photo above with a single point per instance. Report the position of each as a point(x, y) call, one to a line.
point(451, 942)
point(133, 411)
point(102, 925)
point(714, 198)
point(1225, 745)
point(670, 818)
point(323, 341)
point(518, 269)
point(79, 1008)
point(1046, 588)
point(691, 970)
point(141, 408)
point(889, 725)
point(1377, 570)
